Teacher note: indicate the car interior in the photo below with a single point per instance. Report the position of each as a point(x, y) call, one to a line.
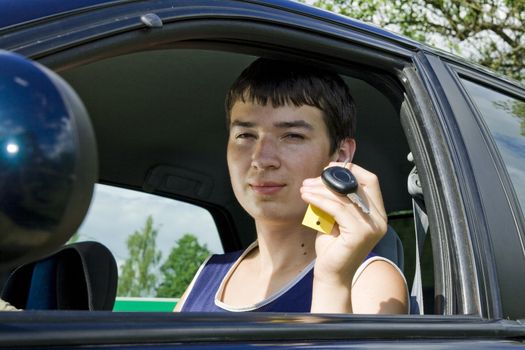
point(159, 122)
point(160, 126)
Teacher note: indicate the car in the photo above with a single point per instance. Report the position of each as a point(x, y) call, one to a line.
point(444, 136)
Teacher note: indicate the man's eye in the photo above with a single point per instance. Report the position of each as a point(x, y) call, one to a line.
point(244, 136)
point(293, 136)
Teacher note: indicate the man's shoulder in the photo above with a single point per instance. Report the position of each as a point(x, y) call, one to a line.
point(225, 258)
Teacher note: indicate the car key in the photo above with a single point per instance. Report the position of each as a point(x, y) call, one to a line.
point(341, 180)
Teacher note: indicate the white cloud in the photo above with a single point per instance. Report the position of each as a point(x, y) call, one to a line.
point(116, 213)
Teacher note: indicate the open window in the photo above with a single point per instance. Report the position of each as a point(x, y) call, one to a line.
point(160, 125)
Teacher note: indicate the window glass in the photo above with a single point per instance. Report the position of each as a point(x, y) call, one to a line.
point(505, 117)
point(168, 237)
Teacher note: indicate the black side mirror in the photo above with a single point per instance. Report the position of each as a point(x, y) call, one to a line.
point(48, 161)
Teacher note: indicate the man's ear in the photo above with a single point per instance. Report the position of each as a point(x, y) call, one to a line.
point(346, 150)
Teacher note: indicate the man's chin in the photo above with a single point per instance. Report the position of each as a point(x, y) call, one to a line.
point(276, 214)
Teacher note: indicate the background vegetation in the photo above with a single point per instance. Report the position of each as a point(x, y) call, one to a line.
point(139, 275)
point(489, 32)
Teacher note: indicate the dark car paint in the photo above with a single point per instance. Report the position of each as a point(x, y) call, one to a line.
point(491, 215)
point(17, 12)
point(288, 331)
point(496, 199)
point(468, 218)
point(113, 17)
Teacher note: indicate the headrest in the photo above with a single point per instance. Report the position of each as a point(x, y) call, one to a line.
point(391, 247)
point(79, 276)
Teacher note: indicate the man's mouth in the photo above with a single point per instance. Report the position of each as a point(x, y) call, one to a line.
point(267, 188)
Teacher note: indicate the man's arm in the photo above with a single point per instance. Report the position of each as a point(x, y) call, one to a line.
point(340, 253)
point(379, 289)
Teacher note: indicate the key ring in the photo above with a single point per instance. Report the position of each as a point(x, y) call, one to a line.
point(342, 181)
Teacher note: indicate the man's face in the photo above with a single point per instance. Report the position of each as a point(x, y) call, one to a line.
point(270, 152)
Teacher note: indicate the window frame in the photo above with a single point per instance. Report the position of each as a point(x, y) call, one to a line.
point(127, 36)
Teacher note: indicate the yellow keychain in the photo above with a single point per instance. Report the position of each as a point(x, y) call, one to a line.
point(341, 181)
point(318, 220)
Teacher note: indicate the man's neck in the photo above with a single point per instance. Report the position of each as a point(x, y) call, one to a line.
point(284, 247)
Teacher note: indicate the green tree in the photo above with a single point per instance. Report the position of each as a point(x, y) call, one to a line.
point(515, 107)
point(138, 278)
point(73, 238)
point(490, 32)
point(181, 265)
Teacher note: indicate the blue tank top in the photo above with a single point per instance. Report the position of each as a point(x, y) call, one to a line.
point(296, 297)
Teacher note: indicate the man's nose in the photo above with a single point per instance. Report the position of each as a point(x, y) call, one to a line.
point(265, 154)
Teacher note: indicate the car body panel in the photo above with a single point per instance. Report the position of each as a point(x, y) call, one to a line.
point(251, 330)
point(498, 216)
point(23, 12)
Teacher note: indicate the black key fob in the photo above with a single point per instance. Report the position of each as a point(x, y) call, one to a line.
point(339, 179)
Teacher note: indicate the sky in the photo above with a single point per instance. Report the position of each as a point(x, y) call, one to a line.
point(116, 213)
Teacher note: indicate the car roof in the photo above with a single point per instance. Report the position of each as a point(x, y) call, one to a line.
point(24, 11)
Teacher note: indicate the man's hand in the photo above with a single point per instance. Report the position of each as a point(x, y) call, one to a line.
point(340, 253)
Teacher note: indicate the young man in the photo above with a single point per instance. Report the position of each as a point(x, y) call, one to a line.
point(287, 122)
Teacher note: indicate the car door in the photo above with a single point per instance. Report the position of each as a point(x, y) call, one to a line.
point(491, 197)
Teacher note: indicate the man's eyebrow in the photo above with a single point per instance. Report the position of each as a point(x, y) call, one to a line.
point(242, 124)
point(294, 124)
point(280, 125)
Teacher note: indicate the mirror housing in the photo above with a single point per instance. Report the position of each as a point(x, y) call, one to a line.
point(48, 161)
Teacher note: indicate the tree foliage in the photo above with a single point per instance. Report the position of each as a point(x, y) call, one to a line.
point(74, 238)
point(138, 278)
point(181, 265)
point(516, 108)
point(490, 32)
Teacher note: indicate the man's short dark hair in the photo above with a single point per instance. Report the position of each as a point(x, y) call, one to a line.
point(281, 82)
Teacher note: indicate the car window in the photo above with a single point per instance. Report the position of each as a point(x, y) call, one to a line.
point(172, 162)
point(165, 238)
point(505, 117)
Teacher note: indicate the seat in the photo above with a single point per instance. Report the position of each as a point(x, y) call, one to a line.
point(79, 276)
point(391, 247)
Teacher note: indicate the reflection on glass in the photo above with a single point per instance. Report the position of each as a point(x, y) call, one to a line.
point(505, 117)
point(12, 148)
point(21, 81)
